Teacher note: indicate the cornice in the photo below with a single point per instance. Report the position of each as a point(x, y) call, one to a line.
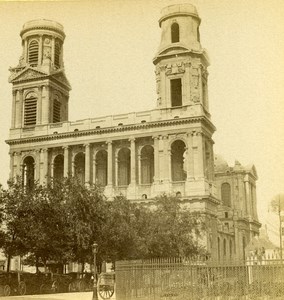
point(44, 27)
point(107, 130)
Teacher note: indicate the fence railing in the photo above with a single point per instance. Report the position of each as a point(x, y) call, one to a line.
point(185, 279)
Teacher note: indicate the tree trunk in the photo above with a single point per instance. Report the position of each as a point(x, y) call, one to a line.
point(8, 262)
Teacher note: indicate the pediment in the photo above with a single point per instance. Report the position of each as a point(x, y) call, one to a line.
point(27, 74)
point(61, 78)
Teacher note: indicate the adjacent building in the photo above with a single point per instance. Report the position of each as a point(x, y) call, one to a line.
point(138, 154)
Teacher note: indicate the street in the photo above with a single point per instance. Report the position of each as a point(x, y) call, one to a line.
point(63, 296)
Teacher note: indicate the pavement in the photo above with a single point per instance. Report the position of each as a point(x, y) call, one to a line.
point(63, 296)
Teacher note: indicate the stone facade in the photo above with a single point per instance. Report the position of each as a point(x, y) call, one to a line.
point(140, 155)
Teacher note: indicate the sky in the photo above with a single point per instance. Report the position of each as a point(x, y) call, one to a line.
point(108, 54)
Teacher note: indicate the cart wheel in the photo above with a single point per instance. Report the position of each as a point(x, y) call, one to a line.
point(72, 287)
point(82, 286)
point(42, 289)
point(54, 286)
point(106, 291)
point(6, 290)
point(22, 288)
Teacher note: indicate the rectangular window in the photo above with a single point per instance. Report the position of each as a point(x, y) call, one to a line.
point(176, 92)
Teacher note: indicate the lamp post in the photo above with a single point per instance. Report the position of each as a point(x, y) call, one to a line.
point(95, 292)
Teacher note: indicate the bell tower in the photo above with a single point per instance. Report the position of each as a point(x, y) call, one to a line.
point(40, 87)
point(181, 63)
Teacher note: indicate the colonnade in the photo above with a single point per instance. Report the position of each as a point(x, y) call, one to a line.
point(169, 158)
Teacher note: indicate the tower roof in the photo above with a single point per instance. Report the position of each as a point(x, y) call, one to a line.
point(42, 24)
point(184, 9)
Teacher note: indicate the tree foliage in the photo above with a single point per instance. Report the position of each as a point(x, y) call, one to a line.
point(60, 222)
point(277, 203)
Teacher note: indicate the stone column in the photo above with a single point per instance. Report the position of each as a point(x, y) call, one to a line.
point(254, 199)
point(166, 169)
point(132, 161)
point(66, 161)
point(156, 159)
point(26, 51)
point(19, 108)
point(52, 169)
point(43, 165)
point(73, 165)
point(94, 167)
point(199, 163)
point(109, 164)
point(116, 168)
point(190, 165)
point(45, 104)
point(39, 105)
point(12, 155)
point(13, 109)
point(247, 192)
point(37, 165)
point(52, 49)
point(186, 86)
point(40, 51)
point(139, 168)
point(87, 163)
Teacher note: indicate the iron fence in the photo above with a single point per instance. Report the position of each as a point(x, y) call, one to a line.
point(186, 279)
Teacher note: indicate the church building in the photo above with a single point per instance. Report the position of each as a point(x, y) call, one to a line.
point(168, 149)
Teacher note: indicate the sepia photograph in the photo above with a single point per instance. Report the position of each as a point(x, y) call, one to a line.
point(142, 150)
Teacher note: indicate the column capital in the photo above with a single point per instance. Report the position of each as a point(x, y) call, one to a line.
point(164, 137)
point(155, 137)
point(131, 139)
point(108, 142)
point(87, 145)
point(43, 150)
point(65, 147)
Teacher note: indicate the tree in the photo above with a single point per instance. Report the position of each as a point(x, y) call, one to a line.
point(277, 203)
point(174, 231)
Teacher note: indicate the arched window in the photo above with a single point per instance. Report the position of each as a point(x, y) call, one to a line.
point(57, 55)
point(175, 33)
point(147, 164)
point(124, 166)
point(33, 53)
point(30, 108)
point(56, 111)
point(226, 194)
point(28, 172)
point(58, 167)
point(79, 167)
point(101, 167)
point(177, 161)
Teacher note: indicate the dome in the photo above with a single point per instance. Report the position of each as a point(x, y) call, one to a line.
point(42, 24)
point(219, 163)
point(184, 9)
